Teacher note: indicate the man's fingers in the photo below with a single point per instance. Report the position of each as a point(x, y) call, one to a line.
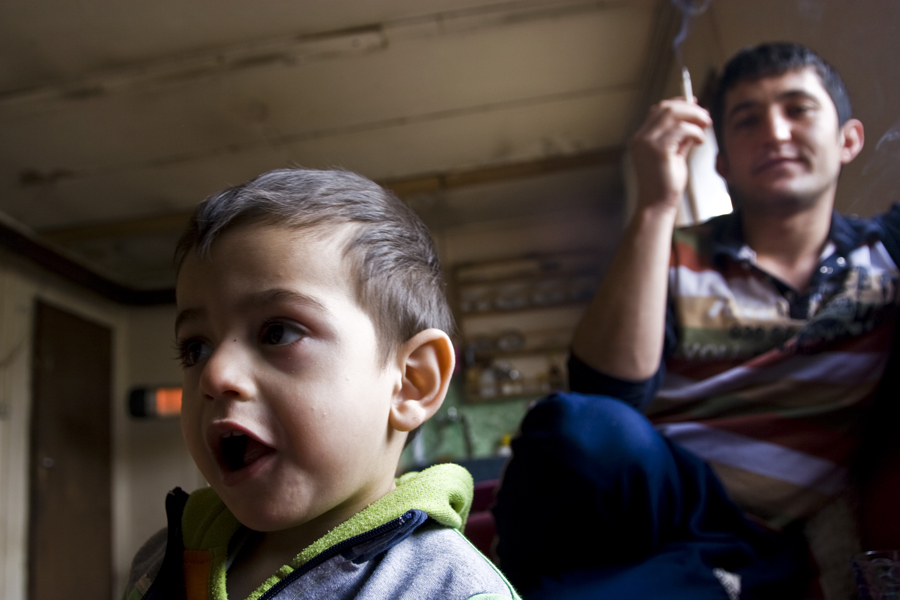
point(659, 149)
point(669, 113)
point(676, 137)
point(685, 136)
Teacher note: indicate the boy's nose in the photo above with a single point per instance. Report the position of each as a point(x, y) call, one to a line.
point(226, 374)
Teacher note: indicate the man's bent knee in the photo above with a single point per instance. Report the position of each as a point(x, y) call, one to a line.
point(597, 429)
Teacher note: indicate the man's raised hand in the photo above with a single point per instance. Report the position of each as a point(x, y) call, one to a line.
point(660, 149)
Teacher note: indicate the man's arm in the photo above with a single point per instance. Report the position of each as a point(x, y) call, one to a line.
point(622, 332)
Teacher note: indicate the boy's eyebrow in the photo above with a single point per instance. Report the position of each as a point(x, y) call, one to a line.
point(188, 314)
point(785, 95)
point(254, 300)
point(279, 295)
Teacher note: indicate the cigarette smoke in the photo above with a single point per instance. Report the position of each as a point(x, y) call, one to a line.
point(689, 9)
point(881, 172)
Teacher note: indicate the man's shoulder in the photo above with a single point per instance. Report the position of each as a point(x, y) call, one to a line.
point(696, 245)
point(703, 229)
point(852, 231)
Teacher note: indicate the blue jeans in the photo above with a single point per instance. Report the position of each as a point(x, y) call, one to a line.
point(596, 504)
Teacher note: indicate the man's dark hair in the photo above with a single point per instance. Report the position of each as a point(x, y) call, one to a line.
point(774, 59)
point(392, 255)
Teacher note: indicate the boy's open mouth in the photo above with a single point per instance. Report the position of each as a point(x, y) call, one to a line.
point(238, 450)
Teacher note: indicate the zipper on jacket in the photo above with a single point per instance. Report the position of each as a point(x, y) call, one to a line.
point(332, 552)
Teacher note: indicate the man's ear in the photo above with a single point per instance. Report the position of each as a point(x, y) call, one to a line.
point(853, 137)
point(426, 361)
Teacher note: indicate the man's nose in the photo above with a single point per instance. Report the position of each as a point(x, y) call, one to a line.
point(778, 125)
point(226, 373)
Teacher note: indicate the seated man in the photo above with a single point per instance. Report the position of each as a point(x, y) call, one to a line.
point(752, 343)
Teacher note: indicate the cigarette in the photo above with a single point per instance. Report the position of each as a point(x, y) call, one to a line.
point(686, 86)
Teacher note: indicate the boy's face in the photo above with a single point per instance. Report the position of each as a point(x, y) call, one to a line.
point(286, 404)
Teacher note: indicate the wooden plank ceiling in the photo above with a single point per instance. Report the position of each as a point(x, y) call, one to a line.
point(117, 118)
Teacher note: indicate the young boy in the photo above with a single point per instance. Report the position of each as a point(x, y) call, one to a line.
point(312, 331)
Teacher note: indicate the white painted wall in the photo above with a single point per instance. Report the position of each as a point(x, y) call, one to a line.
point(148, 457)
point(20, 286)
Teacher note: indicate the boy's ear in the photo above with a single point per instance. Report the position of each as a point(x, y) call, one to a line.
point(426, 361)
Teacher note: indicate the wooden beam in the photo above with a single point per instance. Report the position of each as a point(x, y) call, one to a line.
point(40, 248)
point(26, 246)
point(403, 187)
point(533, 168)
point(118, 229)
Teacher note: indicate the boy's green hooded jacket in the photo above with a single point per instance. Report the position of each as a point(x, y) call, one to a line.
point(408, 544)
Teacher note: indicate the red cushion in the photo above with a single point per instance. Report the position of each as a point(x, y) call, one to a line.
point(481, 530)
point(485, 495)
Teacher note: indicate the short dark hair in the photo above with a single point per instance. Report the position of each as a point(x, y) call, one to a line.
point(773, 59)
point(393, 258)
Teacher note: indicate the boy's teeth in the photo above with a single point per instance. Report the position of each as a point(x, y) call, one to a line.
point(232, 434)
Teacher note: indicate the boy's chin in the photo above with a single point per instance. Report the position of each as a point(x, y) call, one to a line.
point(252, 515)
point(265, 510)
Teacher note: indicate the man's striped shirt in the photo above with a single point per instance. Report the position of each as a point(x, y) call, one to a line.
point(766, 384)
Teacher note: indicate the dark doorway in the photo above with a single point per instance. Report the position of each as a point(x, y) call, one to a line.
point(70, 531)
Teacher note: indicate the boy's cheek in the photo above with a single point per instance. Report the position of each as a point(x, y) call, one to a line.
point(196, 447)
point(290, 363)
point(190, 428)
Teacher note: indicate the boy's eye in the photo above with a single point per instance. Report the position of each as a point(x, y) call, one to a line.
point(279, 333)
point(190, 352)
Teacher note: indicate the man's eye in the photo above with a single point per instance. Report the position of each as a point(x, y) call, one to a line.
point(279, 334)
point(743, 122)
point(190, 352)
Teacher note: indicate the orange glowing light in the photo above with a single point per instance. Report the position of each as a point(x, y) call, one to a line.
point(168, 401)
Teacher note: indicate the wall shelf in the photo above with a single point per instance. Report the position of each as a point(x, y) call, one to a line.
point(517, 317)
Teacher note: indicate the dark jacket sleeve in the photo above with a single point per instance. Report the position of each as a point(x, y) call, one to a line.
point(584, 379)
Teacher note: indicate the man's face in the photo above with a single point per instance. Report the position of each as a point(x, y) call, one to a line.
point(782, 146)
point(286, 403)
